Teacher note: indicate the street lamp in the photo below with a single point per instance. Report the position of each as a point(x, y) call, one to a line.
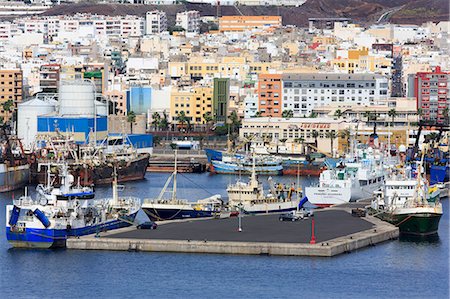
point(240, 216)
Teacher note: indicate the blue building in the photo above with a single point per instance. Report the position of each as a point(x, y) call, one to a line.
point(83, 128)
point(139, 99)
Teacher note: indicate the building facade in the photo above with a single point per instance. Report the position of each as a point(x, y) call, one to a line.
point(270, 95)
point(304, 92)
point(244, 23)
point(431, 90)
point(220, 99)
point(10, 90)
point(155, 22)
point(189, 20)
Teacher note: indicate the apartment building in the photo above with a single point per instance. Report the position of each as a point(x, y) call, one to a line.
point(244, 23)
point(49, 77)
point(270, 95)
point(194, 102)
point(155, 22)
point(431, 90)
point(10, 89)
point(304, 92)
point(189, 20)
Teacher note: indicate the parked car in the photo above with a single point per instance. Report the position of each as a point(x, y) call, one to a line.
point(147, 225)
point(288, 217)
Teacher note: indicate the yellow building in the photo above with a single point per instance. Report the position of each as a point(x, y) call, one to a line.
point(10, 89)
point(195, 102)
point(244, 23)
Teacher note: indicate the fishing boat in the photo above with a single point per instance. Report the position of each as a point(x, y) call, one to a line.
point(264, 165)
point(250, 197)
point(160, 209)
point(350, 180)
point(408, 202)
point(57, 213)
point(14, 167)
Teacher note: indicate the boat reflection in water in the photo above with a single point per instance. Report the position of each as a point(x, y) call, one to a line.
point(426, 239)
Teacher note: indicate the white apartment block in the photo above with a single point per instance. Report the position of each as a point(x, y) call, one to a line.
point(189, 20)
point(304, 92)
point(155, 22)
point(251, 105)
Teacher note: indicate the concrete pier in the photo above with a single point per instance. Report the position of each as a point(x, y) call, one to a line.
point(335, 229)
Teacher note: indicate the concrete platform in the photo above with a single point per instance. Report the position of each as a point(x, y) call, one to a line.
point(336, 232)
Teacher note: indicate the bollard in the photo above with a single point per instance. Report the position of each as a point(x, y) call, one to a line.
point(313, 237)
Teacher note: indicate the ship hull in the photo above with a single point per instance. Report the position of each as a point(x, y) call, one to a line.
point(270, 207)
point(174, 213)
point(325, 197)
point(15, 177)
point(102, 174)
point(414, 223)
point(232, 168)
point(306, 170)
point(56, 238)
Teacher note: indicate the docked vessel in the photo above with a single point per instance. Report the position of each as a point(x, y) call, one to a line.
point(14, 167)
point(160, 209)
point(251, 199)
point(409, 203)
point(351, 180)
point(68, 211)
point(264, 166)
point(91, 164)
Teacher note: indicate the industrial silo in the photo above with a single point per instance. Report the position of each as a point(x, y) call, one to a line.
point(27, 113)
point(77, 98)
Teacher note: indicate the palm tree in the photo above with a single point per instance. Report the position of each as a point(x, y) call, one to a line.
point(156, 120)
point(338, 113)
point(234, 121)
point(207, 117)
point(369, 116)
point(164, 123)
point(345, 134)
point(315, 135)
point(8, 106)
point(332, 135)
point(392, 114)
point(131, 118)
point(313, 115)
point(182, 119)
point(287, 114)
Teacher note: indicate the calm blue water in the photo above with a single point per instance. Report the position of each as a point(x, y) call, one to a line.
point(391, 270)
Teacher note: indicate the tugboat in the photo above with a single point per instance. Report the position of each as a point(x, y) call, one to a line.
point(250, 197)
point(59, 213)
point(409, 203)
point(160, 209)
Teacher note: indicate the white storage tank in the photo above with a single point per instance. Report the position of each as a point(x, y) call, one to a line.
point(27, 113)
point(101, 108)
point(76, 98)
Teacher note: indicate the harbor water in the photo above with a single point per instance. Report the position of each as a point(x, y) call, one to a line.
point(396, 269)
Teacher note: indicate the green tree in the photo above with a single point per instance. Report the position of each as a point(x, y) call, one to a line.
point(313, 115)
point(315, 135)
point(8, 107)
point(156, 119)
point(207, 117)
point(131, 118)
point(331, 135)
point(234, 121)
point(338, 113)
point(345, 134)
point(182, 118)
point(392, 114)
point(368, 114)
point(287, 114)
point(164, 122)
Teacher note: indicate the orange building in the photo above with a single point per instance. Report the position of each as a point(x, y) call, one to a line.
point(10, 89)
point(269, 95)
point(243, 23)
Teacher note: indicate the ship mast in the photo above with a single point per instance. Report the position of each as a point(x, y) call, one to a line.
point(174, 191)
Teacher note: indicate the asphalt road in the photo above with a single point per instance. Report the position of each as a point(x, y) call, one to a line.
point(265, 228)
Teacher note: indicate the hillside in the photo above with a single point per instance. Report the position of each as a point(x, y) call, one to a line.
point(362, 11)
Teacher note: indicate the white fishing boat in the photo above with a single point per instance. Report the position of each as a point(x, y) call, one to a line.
point(160, 209)
point(56, 214)
point(251, 199)
point(351, 180)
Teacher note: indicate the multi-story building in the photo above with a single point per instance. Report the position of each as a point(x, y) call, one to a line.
point(155, 22)
point(221, 99)
point(304, 92)
point(139, 99)
point(10, 90)
point(270, 95)
point(244, 23)
point(189, 20)
point(194, 102)
point(49, 75)
point(431, 90)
